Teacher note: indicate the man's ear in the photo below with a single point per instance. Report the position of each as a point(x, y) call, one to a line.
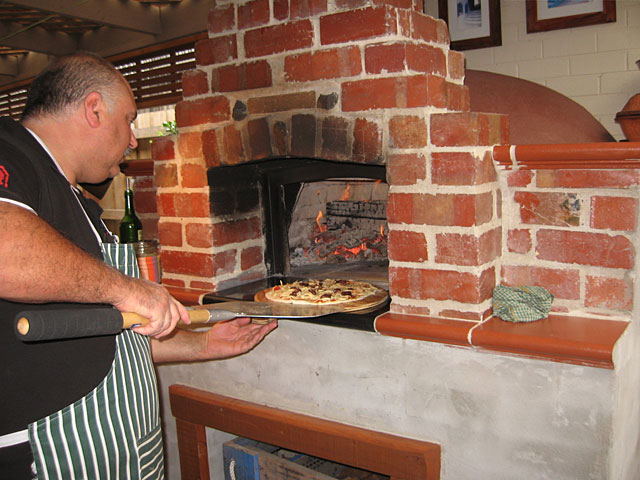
point(93, 109)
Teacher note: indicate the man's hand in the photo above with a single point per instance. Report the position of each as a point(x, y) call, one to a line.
point(223, 340)
point(154, 302)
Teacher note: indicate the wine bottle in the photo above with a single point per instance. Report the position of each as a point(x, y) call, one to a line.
point(130, 225)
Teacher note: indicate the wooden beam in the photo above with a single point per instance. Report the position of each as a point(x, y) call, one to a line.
point(126, 15)
point(36, 39)
point(399, 457)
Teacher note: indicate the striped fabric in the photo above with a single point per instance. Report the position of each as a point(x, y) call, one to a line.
point(114, 431)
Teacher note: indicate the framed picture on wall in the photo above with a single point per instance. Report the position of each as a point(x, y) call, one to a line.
point(472, 23)
point(544, 15)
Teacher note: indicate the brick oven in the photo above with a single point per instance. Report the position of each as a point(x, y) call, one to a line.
point(371, 85)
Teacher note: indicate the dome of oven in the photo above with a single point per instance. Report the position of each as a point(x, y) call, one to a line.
point(537, 114)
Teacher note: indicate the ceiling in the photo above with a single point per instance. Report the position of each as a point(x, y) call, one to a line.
point(33, 32)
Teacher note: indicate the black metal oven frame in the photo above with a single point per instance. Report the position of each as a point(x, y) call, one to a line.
point(275, 185)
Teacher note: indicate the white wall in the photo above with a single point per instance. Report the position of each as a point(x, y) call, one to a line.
point(496, 416)
point(593, 65)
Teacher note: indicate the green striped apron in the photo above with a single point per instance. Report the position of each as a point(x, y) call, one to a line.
point(114, 431)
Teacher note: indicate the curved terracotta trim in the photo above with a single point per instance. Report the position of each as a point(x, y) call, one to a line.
point(434, 329)
point(575, 340)
point(569, 156)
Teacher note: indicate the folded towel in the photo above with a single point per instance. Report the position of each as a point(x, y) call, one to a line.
point(521, 304)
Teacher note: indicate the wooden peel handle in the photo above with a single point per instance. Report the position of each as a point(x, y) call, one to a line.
point(37, 325)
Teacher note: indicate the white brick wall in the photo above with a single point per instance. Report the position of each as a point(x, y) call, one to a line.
point(593, 65)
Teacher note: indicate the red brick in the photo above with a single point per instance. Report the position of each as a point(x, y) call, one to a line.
point(234, 231)
point(455, 65)
point(444, 209)
point(334, 139)
point(406, 169)
point(465, 128)
point(614, 213)
point(562, 283)
point(145, 182)
point(190, 145)
point(307, 8)
point(193, 175)
point(467, 250)
point(303, 135)
point(210, 51)
point(587, 178)
point(245, 76)
point(210, 148)
point(334, 63)
point(278, 38)
point(282, 103)
point(281, 9)
point(453, 168)
point(225, 262)
point(396, 3)
point(172, 282)
point(356, 25)
point(199, 235)
point(222, 18)
point(199, 285)
point(519, 178)
point(611, 293)
point(369, 94)
point(149, 227)
point(194, 82)
point(170, 234)
point(424, 28)
point(408, 132)
point(145, 202)
point(166, 175)
point(233, 147)
point(441, 284)
point(584, 248)
point(250, 257)
point(259, 139)
point(548, 208)
point(183, 205)
point(458, 98)
point(205, 110)
point(385, 57)
point(253, 14)
point(519, 240)
point(162, 148)
point(406, 246)
point(410, 309)
point(187, 263)
point(367, 142)
point(427, 59)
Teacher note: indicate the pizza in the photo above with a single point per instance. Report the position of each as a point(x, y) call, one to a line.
point(328, 291)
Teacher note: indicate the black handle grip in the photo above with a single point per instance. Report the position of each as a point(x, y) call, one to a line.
point(36, 325)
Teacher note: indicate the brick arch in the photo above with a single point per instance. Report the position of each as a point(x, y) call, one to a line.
point(320, 135)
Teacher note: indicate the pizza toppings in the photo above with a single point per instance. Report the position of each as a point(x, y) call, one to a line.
point(327, 291)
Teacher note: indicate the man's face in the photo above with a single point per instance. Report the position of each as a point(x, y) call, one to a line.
point(116, 137)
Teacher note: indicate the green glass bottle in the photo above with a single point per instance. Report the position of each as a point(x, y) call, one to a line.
point(130, 225)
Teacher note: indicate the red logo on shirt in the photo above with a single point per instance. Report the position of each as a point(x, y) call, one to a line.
point(4, 177)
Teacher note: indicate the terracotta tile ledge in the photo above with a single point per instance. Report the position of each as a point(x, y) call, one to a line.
point(566, 339)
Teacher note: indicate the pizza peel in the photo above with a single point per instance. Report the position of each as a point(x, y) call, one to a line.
point(37, 325)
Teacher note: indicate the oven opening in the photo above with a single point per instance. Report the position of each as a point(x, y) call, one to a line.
point(321, 219)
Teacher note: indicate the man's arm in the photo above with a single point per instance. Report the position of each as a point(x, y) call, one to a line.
point(39, 265)
point(223, 340)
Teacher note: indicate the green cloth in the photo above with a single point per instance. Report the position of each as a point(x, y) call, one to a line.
point(521, 304)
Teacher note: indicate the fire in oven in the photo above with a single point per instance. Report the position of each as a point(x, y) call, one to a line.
point(322, 219)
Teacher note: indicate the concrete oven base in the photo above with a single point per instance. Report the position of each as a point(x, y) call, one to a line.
point(495, 416)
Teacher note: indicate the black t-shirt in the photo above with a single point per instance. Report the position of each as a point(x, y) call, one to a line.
point(39, 378)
